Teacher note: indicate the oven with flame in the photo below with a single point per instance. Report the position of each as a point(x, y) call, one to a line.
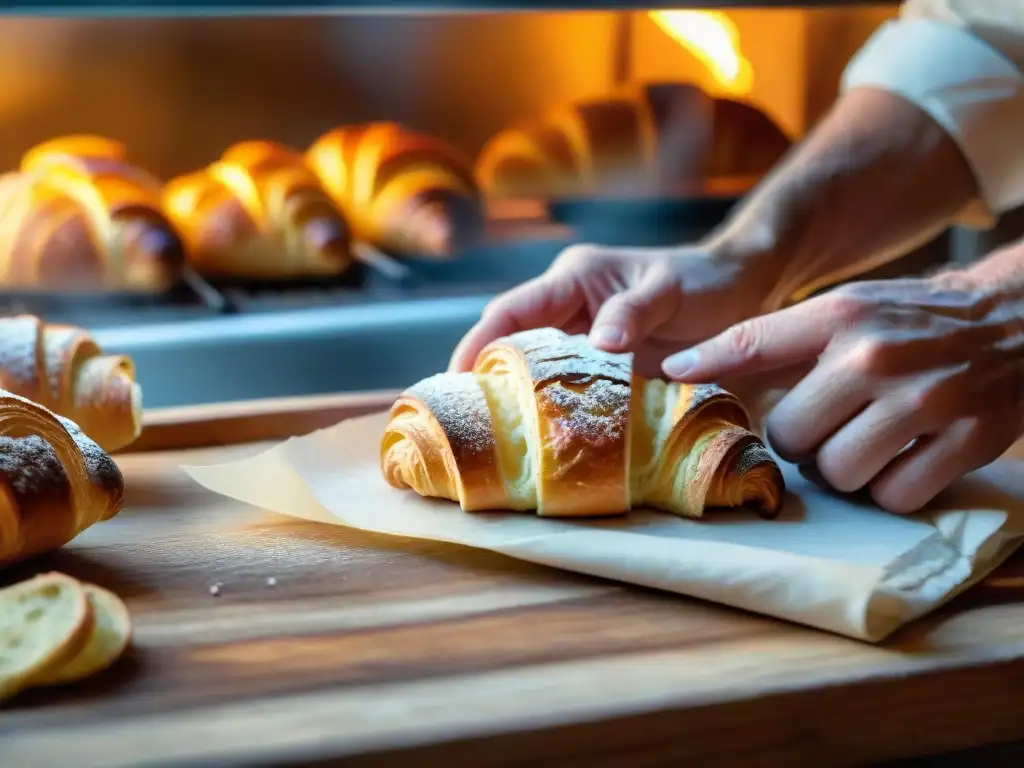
point(713, 39)
point(258, 207)
point(485, 111)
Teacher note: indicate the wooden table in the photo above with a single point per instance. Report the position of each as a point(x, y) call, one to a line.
point(391, 652)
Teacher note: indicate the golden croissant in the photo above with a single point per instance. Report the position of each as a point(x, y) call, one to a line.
point(78, 215)
point(545, 422)
point(54, 481)
point(405, 192)
point(259, 212)
point(63, 369)
point(643, 137)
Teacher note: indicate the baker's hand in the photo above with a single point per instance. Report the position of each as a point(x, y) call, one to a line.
point(934, 364)
point(647, 301)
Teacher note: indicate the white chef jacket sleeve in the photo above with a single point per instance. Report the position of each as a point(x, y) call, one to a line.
point(961, 61)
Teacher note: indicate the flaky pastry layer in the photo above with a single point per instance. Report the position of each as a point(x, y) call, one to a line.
point(546, 423)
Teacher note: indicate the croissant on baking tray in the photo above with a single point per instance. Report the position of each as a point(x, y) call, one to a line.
point(54, 481)
point(63, 369)
point(78, 216)
point(644, 138)
point(406, 193)
point(259, 212)
point(545, 422)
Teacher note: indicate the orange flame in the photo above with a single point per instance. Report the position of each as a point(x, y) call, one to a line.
point(712, 38)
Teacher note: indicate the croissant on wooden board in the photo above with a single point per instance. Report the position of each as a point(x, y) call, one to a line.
point(406, 193)
point(54, 481)
point(259, 212)
point(63, 369)
point(78, 216)
point(545, 422)
point(645, 138)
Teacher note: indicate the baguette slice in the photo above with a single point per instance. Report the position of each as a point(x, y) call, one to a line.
point(110, 636)
point(44, 622)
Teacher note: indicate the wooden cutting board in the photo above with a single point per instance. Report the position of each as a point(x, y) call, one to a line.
point(330, 643)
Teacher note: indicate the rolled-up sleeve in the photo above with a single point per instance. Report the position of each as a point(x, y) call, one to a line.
point(960, 62)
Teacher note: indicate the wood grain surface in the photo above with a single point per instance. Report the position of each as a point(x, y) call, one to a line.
point(248, 421)
point(325, 643)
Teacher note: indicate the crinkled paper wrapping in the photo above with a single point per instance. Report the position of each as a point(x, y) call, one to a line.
point(828, 562)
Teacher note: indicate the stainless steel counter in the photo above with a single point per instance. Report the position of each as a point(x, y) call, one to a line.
point(385, 345)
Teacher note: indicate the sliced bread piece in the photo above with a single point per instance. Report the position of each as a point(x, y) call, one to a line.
point(44, 622)
point(111, 634)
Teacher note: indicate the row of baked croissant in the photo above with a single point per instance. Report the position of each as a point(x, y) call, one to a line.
point(78, 213)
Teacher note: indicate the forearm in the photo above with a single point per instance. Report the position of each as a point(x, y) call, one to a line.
point(875, 178)
point(928, 129)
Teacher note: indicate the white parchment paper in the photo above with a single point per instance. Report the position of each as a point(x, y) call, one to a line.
point(834, 563)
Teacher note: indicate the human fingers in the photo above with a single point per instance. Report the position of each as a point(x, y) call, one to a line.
point(818, 406)
point(923, 471)
point(778, 340)
point(629, 317)
point(553, 299)
point(865, 445)
point(579, 324)
point(781, 380)
point(760, 393)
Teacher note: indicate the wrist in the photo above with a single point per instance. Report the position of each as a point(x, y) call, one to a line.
point(1001, 271)
point(995, 294)
point(754, 254)
point(957, 280)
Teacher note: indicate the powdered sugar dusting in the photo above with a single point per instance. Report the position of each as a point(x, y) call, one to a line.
point(19, 366)
point(460, 407)
point(589, 387)
point(59, 344)
point(552, 354)
point(597, 412)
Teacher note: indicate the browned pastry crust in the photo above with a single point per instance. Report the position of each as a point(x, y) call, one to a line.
point(54, 481)
point(654, 138)
point(62, 368)
point(406, 193)
point(581, 397)
point(259, 212)
point(79, 216)
point(463, 463)
point(547, 423)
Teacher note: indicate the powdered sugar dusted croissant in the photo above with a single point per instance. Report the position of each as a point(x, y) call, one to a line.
point(547, 423)
point(54, 481)
point(62, 368)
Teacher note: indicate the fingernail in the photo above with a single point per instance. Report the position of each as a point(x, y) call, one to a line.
point(611, 337)
point(681, 364)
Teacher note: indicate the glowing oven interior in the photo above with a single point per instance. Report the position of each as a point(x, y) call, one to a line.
point(541, 105)
point(179, 91)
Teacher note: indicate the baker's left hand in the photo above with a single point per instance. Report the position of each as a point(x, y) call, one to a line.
point(914, 382)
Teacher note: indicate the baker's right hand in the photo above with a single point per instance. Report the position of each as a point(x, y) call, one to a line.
point(652, 302)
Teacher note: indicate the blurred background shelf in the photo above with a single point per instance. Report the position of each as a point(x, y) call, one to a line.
point(177, 91)
point(306, 7)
